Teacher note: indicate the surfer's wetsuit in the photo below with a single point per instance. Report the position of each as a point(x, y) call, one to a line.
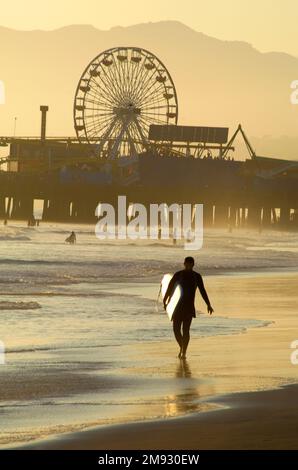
point(189, 280)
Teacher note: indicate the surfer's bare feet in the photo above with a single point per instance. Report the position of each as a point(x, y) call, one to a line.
point(183, 356)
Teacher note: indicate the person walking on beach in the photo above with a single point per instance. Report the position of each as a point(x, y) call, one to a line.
point(189, 280)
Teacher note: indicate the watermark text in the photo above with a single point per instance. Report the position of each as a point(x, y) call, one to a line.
point(294, 355)
point(155, 221)
point(2, 92)
point(2, 353)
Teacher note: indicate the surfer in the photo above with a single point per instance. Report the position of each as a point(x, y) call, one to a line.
point(189, 280)
point(71, 239)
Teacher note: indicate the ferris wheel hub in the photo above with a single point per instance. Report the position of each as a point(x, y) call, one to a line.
point(127, 111)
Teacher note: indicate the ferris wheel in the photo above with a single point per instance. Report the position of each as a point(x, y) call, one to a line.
point(120, 94)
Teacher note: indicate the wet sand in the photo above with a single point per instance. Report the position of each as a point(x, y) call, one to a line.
point(262, 420)
point(256, 363)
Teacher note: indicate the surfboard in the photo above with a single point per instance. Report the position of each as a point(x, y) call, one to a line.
point(177, 294)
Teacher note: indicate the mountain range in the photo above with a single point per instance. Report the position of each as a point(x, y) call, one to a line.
point(219, 83)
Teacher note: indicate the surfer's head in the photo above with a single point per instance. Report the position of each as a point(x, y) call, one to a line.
point(189, 262)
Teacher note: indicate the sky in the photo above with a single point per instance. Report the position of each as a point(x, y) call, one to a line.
point(269, 25)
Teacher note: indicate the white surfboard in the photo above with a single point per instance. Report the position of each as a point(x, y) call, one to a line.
point(177, 294)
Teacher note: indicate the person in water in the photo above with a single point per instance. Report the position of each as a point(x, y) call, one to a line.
point(185, 311)
point(71, 239)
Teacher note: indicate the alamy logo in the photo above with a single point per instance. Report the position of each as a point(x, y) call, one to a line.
point(155, 221)
point(2, 92)
point(294, 355)
point(294, 94)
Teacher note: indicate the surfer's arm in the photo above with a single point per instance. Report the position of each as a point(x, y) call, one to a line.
point(203, 293)
point(170, 289)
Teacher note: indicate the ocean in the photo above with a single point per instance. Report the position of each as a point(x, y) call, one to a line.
point(72, 317)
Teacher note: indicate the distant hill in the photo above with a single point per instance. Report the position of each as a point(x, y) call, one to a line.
point(218, 82)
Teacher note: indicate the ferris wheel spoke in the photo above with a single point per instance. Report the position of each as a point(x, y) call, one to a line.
point(124, 82)
point(107, 94)
point(134, 131)
point(128, 79)
point(117, 129)
point(99, 122)
point(93, 102)
point(143, 79)
point(140, 131)
point(90, 104)
point(152, 90)
point(98, 125)
point(145, 123)
point(115, 80)
point(96, 107)
point(99, 119)
point(118, 77)
point(98, 115)
point(100, 98)
point(153, 116)
point(154, 85)
point(149, 120)
point(148, 81)
point(145, 131)
point(101, 89)
point(106, 130)
point(99, 83)
point(149, 108)
point(155, 110)
point(112, 84)
point(131, 141)
point(98, 111)
point(154, 100)
point(97, 130)
point(130, 75)
point(121, 77)
point(96, 102)
point(131, 71)
point(135, 74)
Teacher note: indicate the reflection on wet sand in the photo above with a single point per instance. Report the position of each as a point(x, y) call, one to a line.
point(189, 399)
point(183, 369)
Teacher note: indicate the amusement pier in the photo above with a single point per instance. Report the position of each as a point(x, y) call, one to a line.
point(128, 142)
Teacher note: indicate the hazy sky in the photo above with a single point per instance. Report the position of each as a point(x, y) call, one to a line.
point(267, 24)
